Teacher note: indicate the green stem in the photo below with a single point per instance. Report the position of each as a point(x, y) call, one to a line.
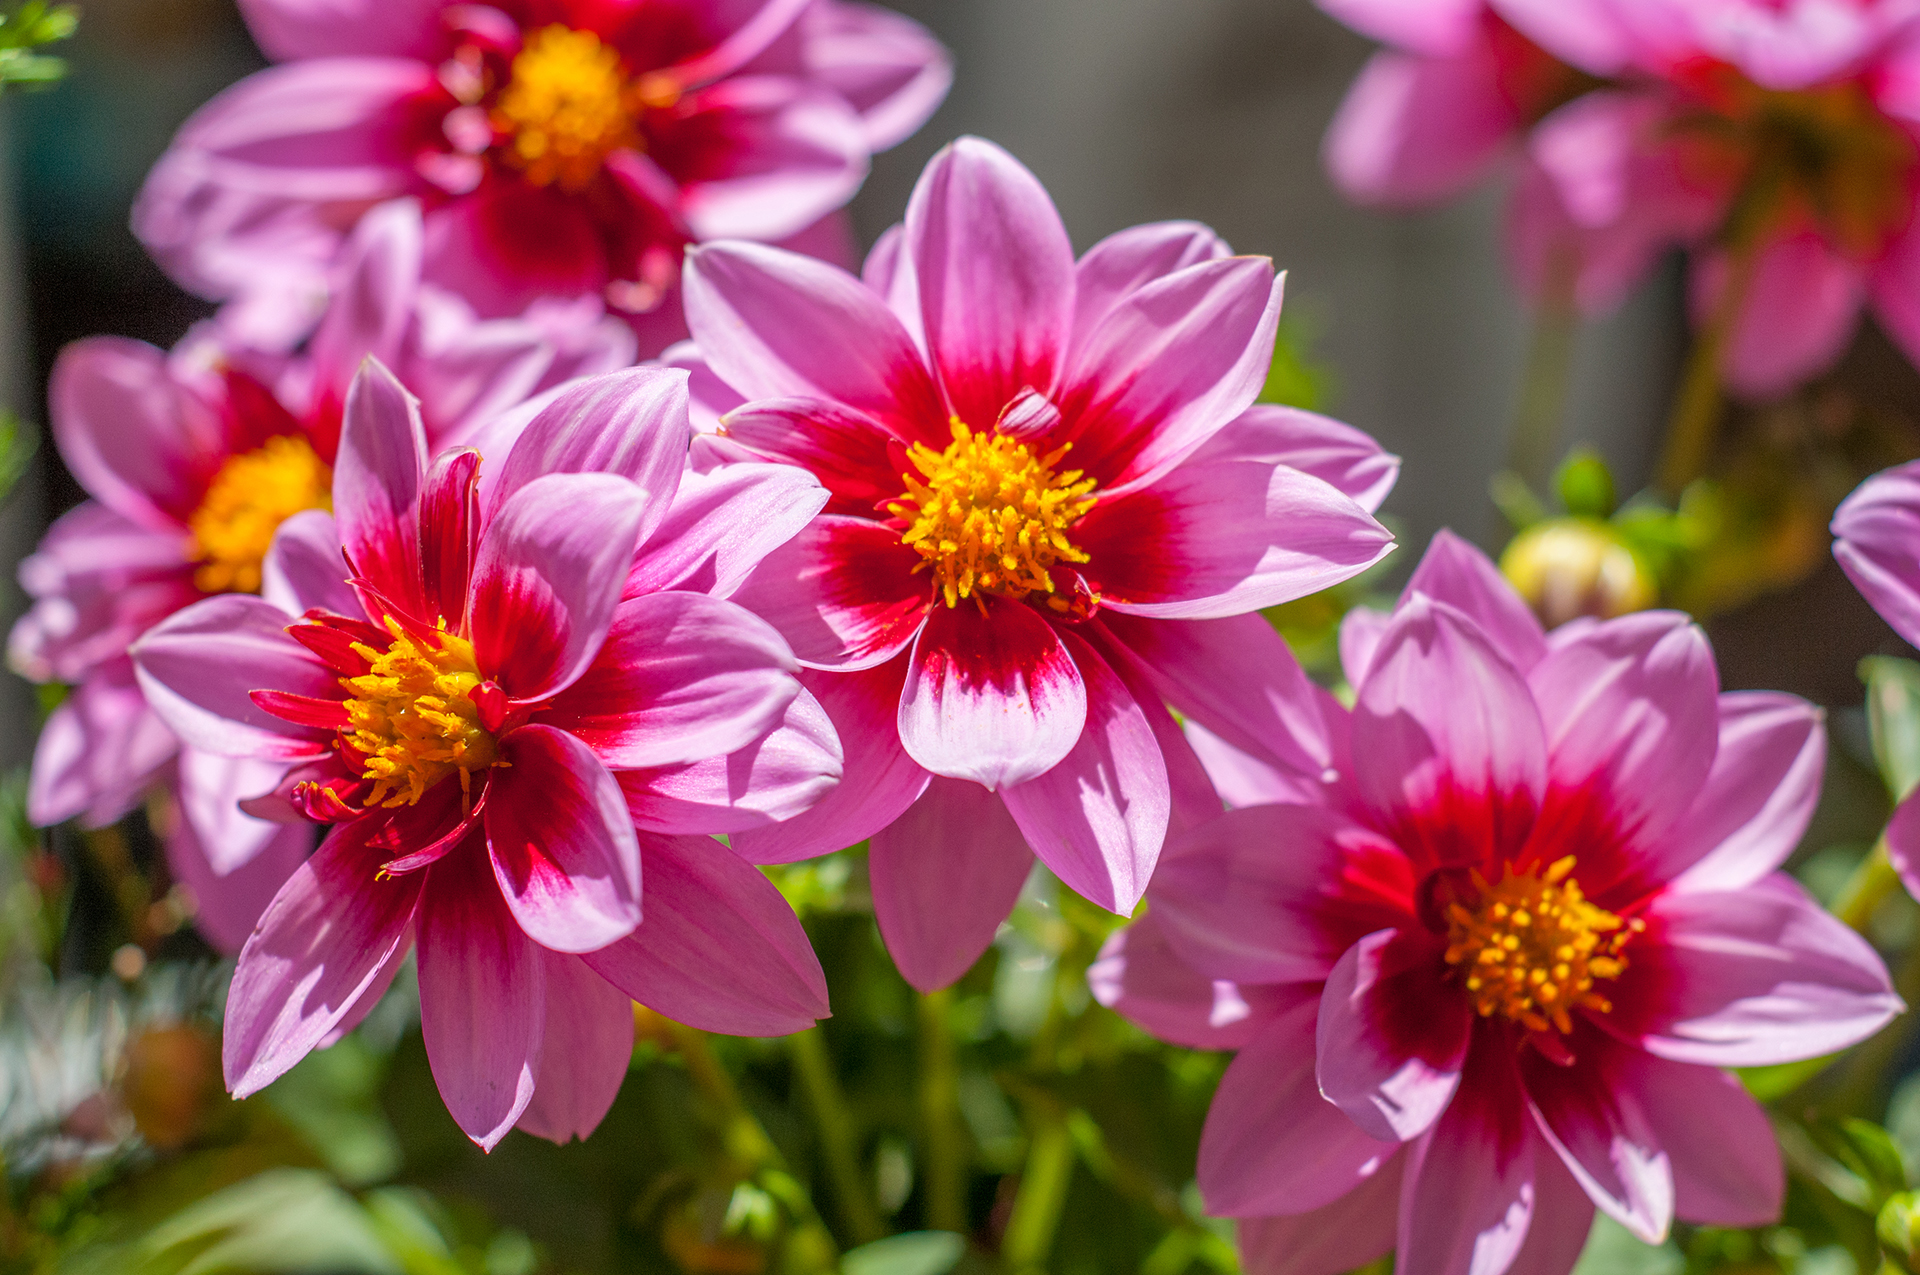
point(939, 1116)
point(839, 1140)
point(1869, 886)
point(1041, 1198)
point(1543, 385)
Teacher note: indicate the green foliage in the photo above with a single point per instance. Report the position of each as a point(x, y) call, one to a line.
point(24, 30)
point(1297, 377)
point(1893, 718)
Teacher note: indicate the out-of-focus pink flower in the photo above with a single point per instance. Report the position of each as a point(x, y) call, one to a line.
point(563, 148)
point(193, 460)
point(485, 720)
point(1052, 504)
point(1484, 980)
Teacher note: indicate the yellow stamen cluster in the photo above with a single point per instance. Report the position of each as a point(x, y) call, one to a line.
point(991, 516)
point(245, 504)
point(569, 102)
point(412, 717)
point(1531, 947)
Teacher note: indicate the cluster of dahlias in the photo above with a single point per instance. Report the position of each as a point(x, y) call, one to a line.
point(401, 547)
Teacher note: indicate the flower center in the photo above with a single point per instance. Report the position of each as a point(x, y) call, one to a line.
point(412, 717)
point(1531, 947)
point(991, 515)
point(569, 102)
point(245, 504)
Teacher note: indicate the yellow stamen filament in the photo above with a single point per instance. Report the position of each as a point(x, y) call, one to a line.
point(990, 515)
point(1531, 947)
point(413, 718)
point(245, 504)
point(568, 104)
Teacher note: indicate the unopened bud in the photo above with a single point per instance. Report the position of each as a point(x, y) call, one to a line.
point(1569, 567)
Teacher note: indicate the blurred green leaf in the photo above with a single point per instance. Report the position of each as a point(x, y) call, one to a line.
point(1898, 1224)
point(281, 1221)
point(1296, 378)
point(1781, 1079)
point(1893, 720)
point(915, 1253)
point(1585, 485)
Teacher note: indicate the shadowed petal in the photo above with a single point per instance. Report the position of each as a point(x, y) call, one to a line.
point(1593, 1114)
point(1759, 796)
point(1468, 1197)
point(1392, 1082)
point(1877, 531)
point(97, 752)
point(372, 305)
point(376, 485)
point(722, 524)
point(128, 432)
point(304, 568)
point(1128, 260)
point(1726, 1160)
point(227, 905)
point(584, 1055)
point(1349, 1233)
point(199, 665)
point(1139, 975)
point(842, 592)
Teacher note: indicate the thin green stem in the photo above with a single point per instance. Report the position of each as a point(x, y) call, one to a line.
point(1042, 1195)
point(1869, 886)
point(839, 1139)
point(944, 1156)
point(1544, 382)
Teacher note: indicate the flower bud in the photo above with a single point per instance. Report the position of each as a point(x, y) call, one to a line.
point(1570, 567)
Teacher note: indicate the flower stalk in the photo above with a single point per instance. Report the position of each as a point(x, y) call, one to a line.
point(941, 1136)
point(839, 1137)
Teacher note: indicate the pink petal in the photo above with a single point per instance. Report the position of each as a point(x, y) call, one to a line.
point(720, 949)
point(1759, 796)
point(945, 875)
point(1594, 1116)
point(1891, 280)
point(1433, 27)
point(1126, 261)
point(1585, 33)
point(584, 1055)
point(1098, 817)
point(228, 905)
point(1726, 1160)
point(483, 998)
point(794, 152)
point(304, 568)
point(995, 273)
point(843, 592)
point(890, 68)
point(97, 752)
point(1392, 1035)
point(1458, 574)
point(992, 694)
point(1798, 314)
point(547, 579)
point(1347, 1234)
point(129, 432)
point(376, 485)
point(373, 301)
point(1878, 543)
point(1360, 632)
point(1140, 976)
point(1562, 1219)
point(210, 790)
point(845, 451)
point(1469, 1194)
point(722, 524)
point(1902, 836)
point(321, 943)
point(288, 29)
point(1241, 779)
point(1222, 539)
point(1338, 454)
point(449, 530)
point(1416, 130)
point(1192, 797)
point(888, 270)
point(1271, 1143)
point(562, 847)
point(878, 780)
point(198, 667)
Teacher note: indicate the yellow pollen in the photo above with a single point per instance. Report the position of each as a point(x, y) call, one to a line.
point(990, 515)
point(413, 718)
point(568, 104)
point(1531, 947)
point(245, 504)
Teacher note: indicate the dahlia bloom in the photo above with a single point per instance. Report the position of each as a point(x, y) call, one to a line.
point(193, 459)
point(563, 148)
point(1052, 503)
point(1483, 980)
point(502, 740)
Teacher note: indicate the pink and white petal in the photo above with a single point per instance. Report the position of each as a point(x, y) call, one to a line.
point(878, 780)
point(584, 1055)
point(1168, 367)
point(483, 998)
point(720, 949)
point(888, 270)
point(993, 694)
point(780, 776)
point(1725, 1157)
point(1877, 531)
point(1749, 978)
point(887, 66)
point(304, 568)
point(708, 397)
point(995, 273)
point(720, 526)
point(1339, 454)
point(847, 452)
point(1241, 779)
point(1415, 130)
point(1759, 796)
point(320, 944)
point(1271, 1143)
point(227, 905)
point(1392, 1035)
point(1126, 261)
point(1349, 1233)
point(374, 296)
point(1799, 312)
point(1360, 632)
point(680, 677)
point(1099, 816)
point(1140, 976)
point(562, 848)
point(135, 438)
point(1192, 799)
point(794, 152)
point(1458, 574)
point(199, 666)
point(377, 480)
point(211, 789)
point(289, 29)
point(97, 752)
point(1592, 1114)
point(1435, 28)
point(945, 874)
point(547, 579)
point(843, 592)
point(1468, 1197)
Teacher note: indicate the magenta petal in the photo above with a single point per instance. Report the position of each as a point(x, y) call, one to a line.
point(1394, 1088)
point(995, 273)
point(1271, 1143)
point(1141, 976)
point(376, 485)
point(1434, 28)
point(843, 593)
point(720, 949)
point(372, 305)
point(1241, 779)
point(1561, 1222)
point(1456, 573)
point(1877, 531)
point(128, 431)
point(1725, 1158)
point(1098, 817)
point(721, 525)
point(888, 67)
point(848, 452)
point(321, 943)
point(1902, 836)
point(1759, 796)
point(1416, 130)
point(97, 752)
point(796, 153)
point(547, 579)
point(945, 875)
point(483, 999)
point(304, 568)
point(584, 1055)
point(562, 847)
point(227, 905)
point(198, 666)
point(1128, 260)
point(288, 29)
point(992, 694)
point(1468, 1196)
point(210, 789)
point(1347, 1234)
point(1594, 1117)
point(1347, 458)
point(1799, 312)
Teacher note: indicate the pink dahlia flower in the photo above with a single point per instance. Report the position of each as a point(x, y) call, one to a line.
point(502, 741)
point(1052, 503)
point(1484, 980)
point(561, 147)
point(193, 459)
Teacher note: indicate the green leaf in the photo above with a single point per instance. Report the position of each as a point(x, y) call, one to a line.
point(1515, 500)
point(1898, 1225)
point(1870, 1152)
point(1781, 1079)
point(1893, 718)
point(280, 1221)
point(915, 1253)
point(1585, 485)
